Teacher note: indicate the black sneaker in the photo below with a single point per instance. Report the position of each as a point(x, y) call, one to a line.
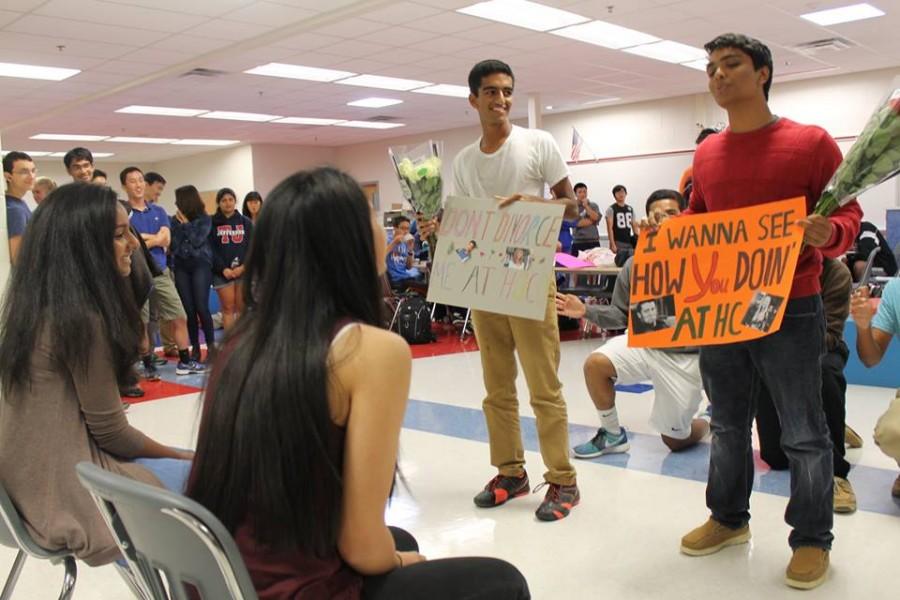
point(500, 489)
point(558, 502)
point(159, 361)
point(132, 391)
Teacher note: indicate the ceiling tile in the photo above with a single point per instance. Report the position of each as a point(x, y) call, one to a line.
point(81, 30)
point(229, 30)
point(207, 8)
point(397, 36)
point(269, 14)
point(106, 13)
point(403, 12)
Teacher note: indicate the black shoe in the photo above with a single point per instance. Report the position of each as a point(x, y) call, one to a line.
point(159, 361)
point(132, 391)
point(500, 489)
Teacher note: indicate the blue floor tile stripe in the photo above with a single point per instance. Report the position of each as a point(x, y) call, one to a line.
point(647, 454)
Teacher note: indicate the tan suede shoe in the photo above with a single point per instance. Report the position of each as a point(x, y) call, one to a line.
point(711, 537)
point(844, 497)
point(851, 438)
point(808, 568)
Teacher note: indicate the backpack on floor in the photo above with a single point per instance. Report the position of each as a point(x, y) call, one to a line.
point(414, 320)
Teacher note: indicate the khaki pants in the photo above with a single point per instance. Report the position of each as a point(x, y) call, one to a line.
point(537, 342)
point(887, 430)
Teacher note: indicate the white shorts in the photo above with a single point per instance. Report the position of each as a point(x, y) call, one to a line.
point(675, 377)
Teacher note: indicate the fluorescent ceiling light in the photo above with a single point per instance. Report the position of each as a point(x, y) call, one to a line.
point(56, 154)
point(600, 101)
point(140, 140)
point(548, 107)
point(102, 154)
point(36, 72)
point(369, 124)
point(844, 14)
point(522, 13)
point(32, 153)
point(445, 89)
point(605, 34)
point(202, 142)
point(384, 83)
point(299, 72)
point(307, 121)
point(239, 116)
point(668, 51)
point(162, 111)
point(375, 102)
point(69, 137)
point(700, 64)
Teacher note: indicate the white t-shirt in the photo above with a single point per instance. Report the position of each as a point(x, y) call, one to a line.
point(527, 160)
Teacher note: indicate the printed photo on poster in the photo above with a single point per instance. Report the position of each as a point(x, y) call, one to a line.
point(761, 312)
point(465, 254)
point(518, 259)
point(653, 315)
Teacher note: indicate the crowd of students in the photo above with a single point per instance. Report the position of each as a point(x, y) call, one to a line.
point(307, 381)
point(183, 255)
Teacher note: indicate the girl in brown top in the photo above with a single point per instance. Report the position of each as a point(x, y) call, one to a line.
point(70, 329)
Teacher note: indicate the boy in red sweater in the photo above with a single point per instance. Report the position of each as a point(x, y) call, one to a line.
point(764, 158)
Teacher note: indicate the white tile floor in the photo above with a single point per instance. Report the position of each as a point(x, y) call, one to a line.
point(621, 542)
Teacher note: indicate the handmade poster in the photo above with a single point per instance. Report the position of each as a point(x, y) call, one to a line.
point(715, 278)
point(493, 259)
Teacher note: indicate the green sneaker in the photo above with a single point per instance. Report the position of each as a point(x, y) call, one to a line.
point(603, 443)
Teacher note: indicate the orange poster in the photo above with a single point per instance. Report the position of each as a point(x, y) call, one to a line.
point(715, 278)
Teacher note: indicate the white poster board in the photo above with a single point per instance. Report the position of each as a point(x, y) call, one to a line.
point(493, 259)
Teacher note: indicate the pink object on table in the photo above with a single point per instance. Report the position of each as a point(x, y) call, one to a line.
point(570, 262)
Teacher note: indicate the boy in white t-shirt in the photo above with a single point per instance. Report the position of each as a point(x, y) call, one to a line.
point(513, 164)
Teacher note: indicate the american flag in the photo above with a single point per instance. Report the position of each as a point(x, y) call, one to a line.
point(577, 143)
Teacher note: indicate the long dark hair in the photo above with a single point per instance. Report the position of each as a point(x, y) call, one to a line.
point(268, 452)
point(251, 196)
point(66, 281)
point(189, 202)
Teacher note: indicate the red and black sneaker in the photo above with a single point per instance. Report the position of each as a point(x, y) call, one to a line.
point(558, 502)
point(500, 489)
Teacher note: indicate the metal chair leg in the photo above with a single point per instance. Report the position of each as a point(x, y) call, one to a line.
point(69, 578)
point(132, 582)
point(462, 335)
point(13, 575)
point(396, 312)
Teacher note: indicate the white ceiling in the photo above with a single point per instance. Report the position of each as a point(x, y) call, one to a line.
point(136, 51)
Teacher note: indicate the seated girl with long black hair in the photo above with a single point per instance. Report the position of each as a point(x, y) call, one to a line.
point(70, 330)
point(303, 410)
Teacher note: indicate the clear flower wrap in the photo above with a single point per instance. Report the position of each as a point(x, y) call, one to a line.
point(873, 159)
point(419, 171)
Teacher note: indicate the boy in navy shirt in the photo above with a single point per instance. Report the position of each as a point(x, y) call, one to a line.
point(152, 222)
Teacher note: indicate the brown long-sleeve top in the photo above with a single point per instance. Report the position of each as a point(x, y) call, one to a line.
point(64, 418)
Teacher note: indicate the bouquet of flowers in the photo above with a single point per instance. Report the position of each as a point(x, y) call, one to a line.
point(419, 171)
point(873, 159)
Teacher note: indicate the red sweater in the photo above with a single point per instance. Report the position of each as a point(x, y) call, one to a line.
point(783, 160)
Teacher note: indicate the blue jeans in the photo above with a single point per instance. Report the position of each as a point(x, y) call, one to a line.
point(788, 363)
point(193, 278)
point(172, 472)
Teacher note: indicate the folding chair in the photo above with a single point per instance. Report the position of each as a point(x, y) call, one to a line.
point(176, 549)
point(14, 535)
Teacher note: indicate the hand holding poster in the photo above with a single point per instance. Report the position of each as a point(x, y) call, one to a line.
point(715, 278)
point(493, 259)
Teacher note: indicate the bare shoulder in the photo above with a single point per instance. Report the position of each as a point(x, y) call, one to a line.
point(371, 346)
